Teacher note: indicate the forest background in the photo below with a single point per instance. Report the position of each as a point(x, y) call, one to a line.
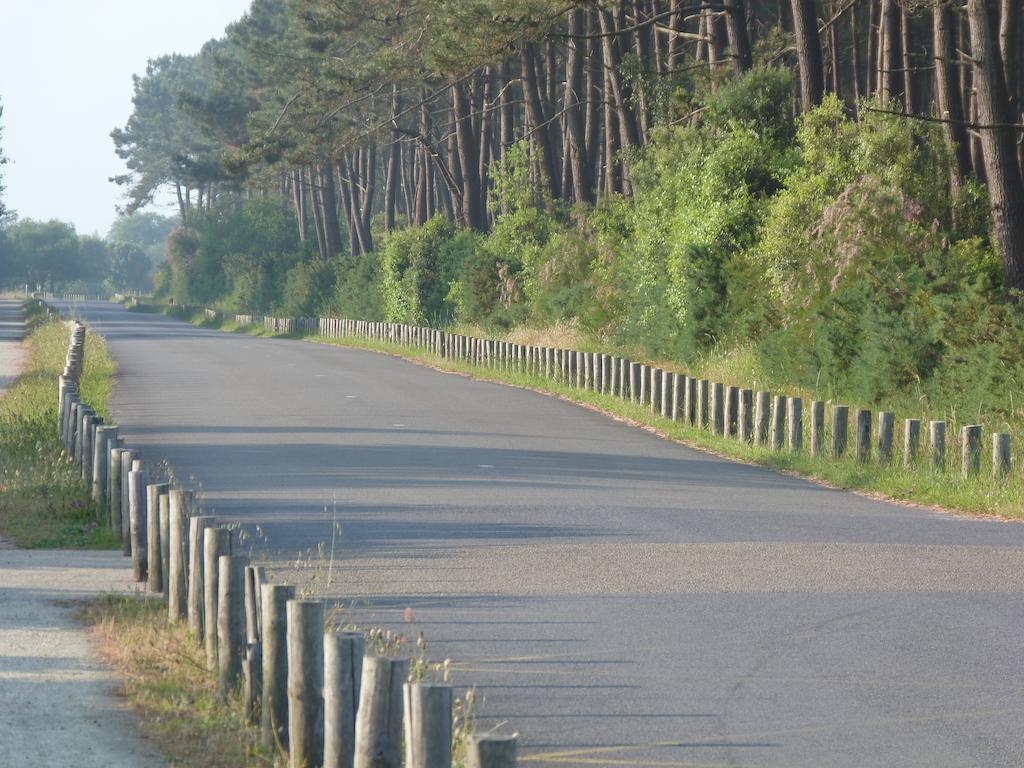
point(819, 193)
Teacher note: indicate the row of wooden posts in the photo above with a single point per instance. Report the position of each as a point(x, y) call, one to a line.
point(316, 694)
point(761, 418)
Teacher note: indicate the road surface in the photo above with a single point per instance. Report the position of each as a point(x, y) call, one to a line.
point(616, 598)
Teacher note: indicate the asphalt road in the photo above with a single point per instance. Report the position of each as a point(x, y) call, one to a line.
point(616, 598)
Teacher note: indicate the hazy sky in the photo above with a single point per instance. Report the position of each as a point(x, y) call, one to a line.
point(66, 71)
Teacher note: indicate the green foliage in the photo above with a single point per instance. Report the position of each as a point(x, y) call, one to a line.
point(307, 288)
point(418, 266)
point(357, 292)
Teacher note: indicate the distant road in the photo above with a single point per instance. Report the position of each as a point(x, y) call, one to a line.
point(616, 598)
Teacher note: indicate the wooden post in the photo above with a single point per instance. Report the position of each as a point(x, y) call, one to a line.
point(274, 599)
point(840, 430)
point(165, 536)
point(863, 437)
point(778, 422)
point(937, 445)
point(343, 675)
point(1001, 461)
point(668, 396)
point(746, 415)
point(762, 417)
point(114, 490)
point(177, 602)
point(885, 437)
point(795, 420)
point(379, 719)
point(678, 384)
point(702, 403)
point(911, 441)
point(489, 750)
point(718, 408)
point(196, 526)
point(428, 725)
point(155, 580)
point(128, 459)
point(645, 384)
point(634, 382)
point(817, 427)
point(732, 411)
point(655, 390)
point(970, 440)
point(305, 683)
point(137, 521)
point(690, 401)
point(230, 620)
point(216, 542)
point(252, 663)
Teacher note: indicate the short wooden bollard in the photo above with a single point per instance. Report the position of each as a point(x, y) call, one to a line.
point(128, 459)
point(1001, 460)
point(491, 751)
point(114, 490)
point(655, 390)
point(817, 427)
point(762, 417)
point(165, 536)
point(778, 422)
point(795, 423)
point(937, 445)
point(911, 441)
point(137, 521)
point(690, 401)
point(703, 397)
point(306, 683)
point(840, 430)
point(634, 382)
point(645, 385)
point(428, 725)
point(274, 599)
point(379, 719)
point(177, 548)
point(100, 468)
point(252, 661)
point(230, 620)
point(746, 415)
point(196, 525)
point(607, 374)
point(970, 440)
point(343, 675)
point(718, 408)
point(255, 577)
point(885, 437)
point(216, 542)
point(667, 395)
point(863, 436)
point(678, 385)
point(732, 411)
point(155, 578)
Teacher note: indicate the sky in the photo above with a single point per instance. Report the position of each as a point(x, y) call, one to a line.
point(66, 71)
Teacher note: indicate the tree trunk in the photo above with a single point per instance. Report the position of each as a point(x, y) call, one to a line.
point(889, 80)
point(947, 90)
point(808, 48)
point(538, 119)
point(394, 167)
point(299, 200)
point(1005, 190)
point(739, 42)
point(469, 157)
point(582, 183)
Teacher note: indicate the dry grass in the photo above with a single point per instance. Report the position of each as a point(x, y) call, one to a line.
point(166, 680)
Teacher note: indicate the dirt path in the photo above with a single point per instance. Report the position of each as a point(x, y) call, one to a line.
point(58, 703)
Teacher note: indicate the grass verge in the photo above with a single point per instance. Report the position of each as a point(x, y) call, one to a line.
point(166, 681)
point(43, 501)
point(980, 496)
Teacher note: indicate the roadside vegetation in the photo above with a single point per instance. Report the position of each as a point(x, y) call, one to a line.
point(43, 500)
point(166, 681)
